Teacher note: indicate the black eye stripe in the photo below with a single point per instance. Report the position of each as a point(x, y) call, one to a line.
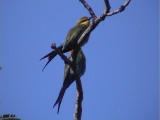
point(84, 21)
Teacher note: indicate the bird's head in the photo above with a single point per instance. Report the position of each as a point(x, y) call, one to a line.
point(84, 20)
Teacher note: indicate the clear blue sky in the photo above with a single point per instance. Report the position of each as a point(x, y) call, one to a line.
point(121, 79)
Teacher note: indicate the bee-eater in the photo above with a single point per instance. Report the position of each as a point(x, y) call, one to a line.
point(71, 39)
point(69, 76)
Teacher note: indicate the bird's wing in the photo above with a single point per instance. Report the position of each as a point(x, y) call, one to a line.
point(72, 37)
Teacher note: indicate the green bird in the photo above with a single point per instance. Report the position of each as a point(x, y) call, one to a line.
point(71, 39)
point(69, 77)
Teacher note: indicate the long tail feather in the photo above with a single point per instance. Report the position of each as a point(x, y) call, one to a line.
point(60, 97)
point(50, 56)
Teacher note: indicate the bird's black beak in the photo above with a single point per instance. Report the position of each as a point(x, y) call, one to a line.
point(89, 18)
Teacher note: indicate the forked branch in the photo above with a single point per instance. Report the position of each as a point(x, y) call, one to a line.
point(101, 18)
point(92, 26)
point(89, 9)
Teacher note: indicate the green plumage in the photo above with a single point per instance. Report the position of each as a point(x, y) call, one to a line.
point(69, 77)
point(71, 39)
point(69, 44)
point(73, 36)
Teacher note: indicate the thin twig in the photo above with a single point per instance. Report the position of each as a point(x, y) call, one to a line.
point(122, 8)
point(99, 19)
point(64, 58)
point(107, 4)
point(93, 15)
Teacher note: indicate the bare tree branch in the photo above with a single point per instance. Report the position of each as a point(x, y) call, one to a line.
point(88, 8)
point(92, 26)
point(108, 7)
point(122, 8)
point(99, 19)
point(64, 58)
point(79, 99)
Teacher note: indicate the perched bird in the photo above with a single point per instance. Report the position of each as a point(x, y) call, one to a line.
point(71, 39)
point(69, 76)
